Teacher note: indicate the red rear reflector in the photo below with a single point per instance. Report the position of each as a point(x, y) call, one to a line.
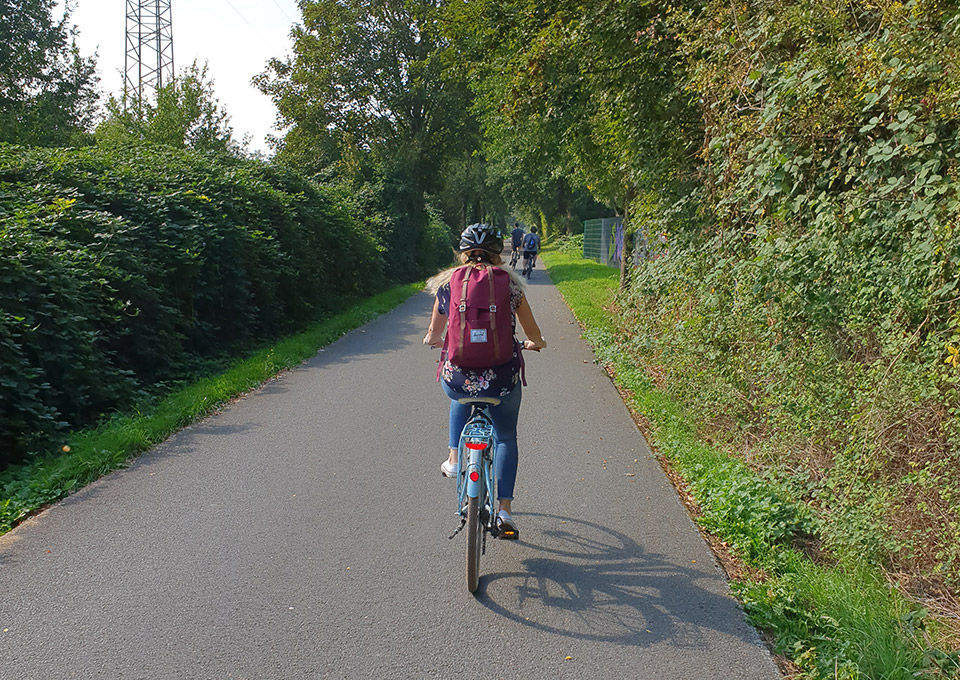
point(476, 446)
point(474, 476)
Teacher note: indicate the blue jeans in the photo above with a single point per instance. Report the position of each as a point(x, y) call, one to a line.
point(504, 416)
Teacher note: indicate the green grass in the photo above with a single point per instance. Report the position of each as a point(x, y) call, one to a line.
point(842, 622)
point(24, 489)
point(832, 621)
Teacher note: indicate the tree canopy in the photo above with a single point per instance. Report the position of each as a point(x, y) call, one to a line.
point(184, 114)
point(364, 92)
point(576, 95)
point(48, 91)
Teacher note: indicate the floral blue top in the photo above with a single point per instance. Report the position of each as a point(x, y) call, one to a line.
point(497, 381)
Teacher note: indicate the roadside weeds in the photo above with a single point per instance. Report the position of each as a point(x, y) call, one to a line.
point(824, 619)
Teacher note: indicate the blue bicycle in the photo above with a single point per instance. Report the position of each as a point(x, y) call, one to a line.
point(475, 489)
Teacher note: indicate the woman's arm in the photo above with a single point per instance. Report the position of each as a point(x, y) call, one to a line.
point(534, 339)
point(438, 321)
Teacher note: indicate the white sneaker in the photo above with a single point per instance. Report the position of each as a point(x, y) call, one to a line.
point(508, 529)
point(448, 469)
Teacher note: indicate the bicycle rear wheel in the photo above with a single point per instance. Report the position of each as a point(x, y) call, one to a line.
point(474, 543)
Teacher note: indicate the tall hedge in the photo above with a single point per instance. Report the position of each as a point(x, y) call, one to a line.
point(120, 267)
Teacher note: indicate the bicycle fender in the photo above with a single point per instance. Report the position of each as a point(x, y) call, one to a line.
point(473, 488)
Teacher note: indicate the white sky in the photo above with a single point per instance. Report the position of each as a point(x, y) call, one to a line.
point(235, 37)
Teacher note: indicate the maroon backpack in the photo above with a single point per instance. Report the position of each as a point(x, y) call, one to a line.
point(480, 324)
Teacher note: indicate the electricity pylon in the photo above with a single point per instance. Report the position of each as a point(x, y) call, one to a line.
point(149, 59)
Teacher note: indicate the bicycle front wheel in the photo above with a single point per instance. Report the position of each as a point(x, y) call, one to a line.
point(474, 543)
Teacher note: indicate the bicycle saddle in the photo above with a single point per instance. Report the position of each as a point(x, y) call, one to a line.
point(467, 401)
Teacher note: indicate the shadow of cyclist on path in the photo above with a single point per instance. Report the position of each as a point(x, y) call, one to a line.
point(593, 583)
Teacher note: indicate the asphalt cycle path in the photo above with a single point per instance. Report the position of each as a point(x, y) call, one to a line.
point(302, 532)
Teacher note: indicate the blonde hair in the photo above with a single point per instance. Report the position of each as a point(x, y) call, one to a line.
point(434, 283)
point(480, 256)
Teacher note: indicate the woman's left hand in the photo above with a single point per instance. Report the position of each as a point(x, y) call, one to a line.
point(535, 346)
point(432, 340)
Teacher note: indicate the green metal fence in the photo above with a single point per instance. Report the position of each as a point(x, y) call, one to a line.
point(603, 240)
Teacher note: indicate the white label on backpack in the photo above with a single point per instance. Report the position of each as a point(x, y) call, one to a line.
point(478, 335)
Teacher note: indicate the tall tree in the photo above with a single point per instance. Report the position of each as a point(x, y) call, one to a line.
point(186, 114)
point(576, 94)
point(48, 94)
point(365, 83)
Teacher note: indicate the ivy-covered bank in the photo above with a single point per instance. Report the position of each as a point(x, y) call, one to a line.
point(830, 617)
point(124, 270)
point(799, 159)
point(813, 316)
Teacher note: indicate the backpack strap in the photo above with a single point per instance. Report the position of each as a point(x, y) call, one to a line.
point(463, 308)
point(493, 316)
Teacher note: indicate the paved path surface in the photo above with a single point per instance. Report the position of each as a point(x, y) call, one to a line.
point(302, 533)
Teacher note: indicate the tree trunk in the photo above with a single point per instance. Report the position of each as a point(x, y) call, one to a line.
point(626, 256)
point(563, 203)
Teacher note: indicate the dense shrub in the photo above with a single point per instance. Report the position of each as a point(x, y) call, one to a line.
point(119, 267)
point(571, 245)
point(814, 313)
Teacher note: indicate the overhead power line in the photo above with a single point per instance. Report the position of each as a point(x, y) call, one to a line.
point(283, 11)
point(254, 28)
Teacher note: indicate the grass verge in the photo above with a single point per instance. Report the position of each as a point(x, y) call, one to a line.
point(831, 620)
point(91, 453)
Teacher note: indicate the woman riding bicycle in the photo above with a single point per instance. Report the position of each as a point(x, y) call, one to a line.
point(480, 247)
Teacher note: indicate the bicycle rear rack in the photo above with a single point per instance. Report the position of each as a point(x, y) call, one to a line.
point(478, 429)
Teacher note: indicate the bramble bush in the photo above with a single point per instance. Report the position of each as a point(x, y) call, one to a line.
point(834, 618)
point(812, 311)
point(121, 268)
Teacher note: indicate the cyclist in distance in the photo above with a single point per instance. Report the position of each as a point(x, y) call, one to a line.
point(531, 246)
point(480, 247)
point(516, 237)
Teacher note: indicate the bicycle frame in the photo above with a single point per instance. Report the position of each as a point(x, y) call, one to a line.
point(529, 263)
point(477, 459)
